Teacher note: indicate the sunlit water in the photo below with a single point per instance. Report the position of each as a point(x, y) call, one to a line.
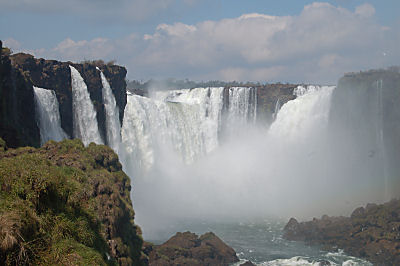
point(262, 243)
point(113, 126)
point(48, 115)
point(84, 113)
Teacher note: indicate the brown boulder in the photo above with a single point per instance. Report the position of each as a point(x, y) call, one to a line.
point(189, 249)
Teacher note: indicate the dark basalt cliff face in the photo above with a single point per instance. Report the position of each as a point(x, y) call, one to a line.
point(17, 110)
point(189, 249)
point(55, 75)
point(64, 204)
point(267, 97)
point(372, 232)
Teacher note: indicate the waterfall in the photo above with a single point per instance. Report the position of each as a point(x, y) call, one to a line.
point(380, 138)
point(306, 114)
point(186, 122)
point(276, 110)
point(286, 164)
point(113, 126)
point(48, 115)
point(242, 106)
point(84, 114)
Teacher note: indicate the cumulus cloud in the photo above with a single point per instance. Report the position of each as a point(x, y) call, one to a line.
point(12, 44)
point(365, 10)
point(318, 45)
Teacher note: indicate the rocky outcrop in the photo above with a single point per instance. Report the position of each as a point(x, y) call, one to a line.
point(189, 249)
point(17, 110)
point(267, 97)
point(55, 75)
point(372, 233)
point(64, 204)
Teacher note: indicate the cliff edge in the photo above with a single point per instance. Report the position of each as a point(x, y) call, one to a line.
point(64, 204)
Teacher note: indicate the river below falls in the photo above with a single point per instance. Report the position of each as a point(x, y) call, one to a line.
point(261, 243)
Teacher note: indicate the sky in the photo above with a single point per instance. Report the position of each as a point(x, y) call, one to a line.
point(255, 40)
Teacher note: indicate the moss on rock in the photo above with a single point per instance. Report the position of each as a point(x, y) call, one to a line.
point(66, 204)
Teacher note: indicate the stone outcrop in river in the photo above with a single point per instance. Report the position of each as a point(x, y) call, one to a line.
point(372, 233)
point(189, 249)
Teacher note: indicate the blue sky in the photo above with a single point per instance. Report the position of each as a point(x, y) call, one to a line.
point(287, 40)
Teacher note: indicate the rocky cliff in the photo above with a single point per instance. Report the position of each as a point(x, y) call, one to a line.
point(268, 96)
point(17, 109)
point(372, 232)
point(55, 75)
point(19, 72)
point(64, 204)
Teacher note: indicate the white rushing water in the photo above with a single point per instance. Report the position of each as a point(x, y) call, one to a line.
point(242, 106)
point(238, 174)
point(307, 114)
point(185, 122)
point(113, 126)
point(48, 115)
point(276, 110)
point(84, 115)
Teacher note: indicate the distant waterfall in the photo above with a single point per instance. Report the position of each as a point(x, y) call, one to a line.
point(186, 121)
point(380, 137)
point(84, 114)
point(113, 126)
point(48, 115)
point(308, 112)
point(276, 110)
point(242, 106)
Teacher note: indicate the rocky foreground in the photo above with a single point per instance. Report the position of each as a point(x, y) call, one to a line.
point(64, 204)
point(372, 233)
point(189, 249)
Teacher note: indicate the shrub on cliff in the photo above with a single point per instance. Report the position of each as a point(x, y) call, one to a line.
point(66, 204)
point(6, 51)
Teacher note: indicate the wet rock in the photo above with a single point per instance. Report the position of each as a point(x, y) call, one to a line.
point(372, 232)
point(189, 249)
point(247, 263)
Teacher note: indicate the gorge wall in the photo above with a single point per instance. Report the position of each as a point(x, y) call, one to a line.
point(366, 111)
point(19, 72)
point(17, 108)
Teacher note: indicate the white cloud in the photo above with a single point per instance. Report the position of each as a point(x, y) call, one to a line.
point(12, 44)
point(318, 45)
point(257, 74)
point(365, 10)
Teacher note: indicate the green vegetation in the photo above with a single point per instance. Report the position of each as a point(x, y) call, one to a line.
point(98, 62)
point(6, 51)
point(64, 204)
